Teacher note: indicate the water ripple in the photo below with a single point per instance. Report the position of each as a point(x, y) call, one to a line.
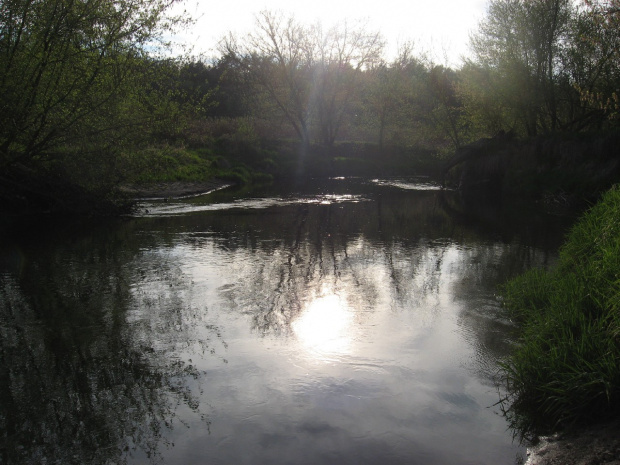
point(416, 185)
point(162, 208)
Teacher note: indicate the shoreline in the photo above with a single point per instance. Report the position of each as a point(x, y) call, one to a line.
point(595, 445)
point(174, 189)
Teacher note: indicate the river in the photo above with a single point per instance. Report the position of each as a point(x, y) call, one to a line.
point(344, 321)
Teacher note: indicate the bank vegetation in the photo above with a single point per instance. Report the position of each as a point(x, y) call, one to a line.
point(93, 100)
point(565, 371)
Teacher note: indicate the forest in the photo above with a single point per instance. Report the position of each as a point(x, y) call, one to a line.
point(93, 100)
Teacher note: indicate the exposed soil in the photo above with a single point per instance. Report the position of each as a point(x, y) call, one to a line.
point(599, 445)
point(177, 189)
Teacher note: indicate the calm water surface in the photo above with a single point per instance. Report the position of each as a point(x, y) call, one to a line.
point(350, 321)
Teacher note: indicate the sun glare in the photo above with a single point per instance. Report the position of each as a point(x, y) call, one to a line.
point(324, 327)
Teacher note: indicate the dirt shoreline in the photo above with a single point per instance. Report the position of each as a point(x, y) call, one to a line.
point(597, 445)
point(175, 189)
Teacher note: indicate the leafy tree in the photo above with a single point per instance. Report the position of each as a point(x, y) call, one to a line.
point(195, 86)
point(597, 57)
point(446, 107)
point(72, 75)
point(389, 93)
point(523, 42)
point(485, 110)
point(234, 89)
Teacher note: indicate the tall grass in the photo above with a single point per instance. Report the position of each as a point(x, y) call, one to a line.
point(566, 368)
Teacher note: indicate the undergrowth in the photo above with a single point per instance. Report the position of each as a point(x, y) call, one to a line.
point(566, 368)
point(167, 164)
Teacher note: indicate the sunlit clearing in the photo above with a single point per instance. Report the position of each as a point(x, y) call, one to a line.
point(324, 327)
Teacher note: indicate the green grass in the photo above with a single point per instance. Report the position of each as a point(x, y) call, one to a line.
point(167, 164)
point(566, 368)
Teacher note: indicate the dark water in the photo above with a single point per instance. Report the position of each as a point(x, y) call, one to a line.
point(348, 322)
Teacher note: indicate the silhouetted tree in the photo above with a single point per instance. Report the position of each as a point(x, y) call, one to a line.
point(307, 74)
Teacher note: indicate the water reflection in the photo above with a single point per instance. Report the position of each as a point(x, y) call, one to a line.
point(351, 322)
point(324, 327)
point(84, 376)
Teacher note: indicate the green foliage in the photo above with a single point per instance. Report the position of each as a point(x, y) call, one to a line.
point(79, 90)
point(168, 164)
point(85, 99)
point(67, 69)
point(231, 157)
point(566, 368)
point(550, 65)
point(596, 56)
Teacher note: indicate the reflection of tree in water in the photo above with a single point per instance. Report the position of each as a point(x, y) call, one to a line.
point(373, 257)
point(96, 338)
point(403, 250)
point(482, 320)
point(83, 376)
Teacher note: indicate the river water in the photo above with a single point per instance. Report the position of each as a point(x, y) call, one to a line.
point(345, 321)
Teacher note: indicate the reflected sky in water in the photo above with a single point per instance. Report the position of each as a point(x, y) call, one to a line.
point(325, 327)
point(342, 322)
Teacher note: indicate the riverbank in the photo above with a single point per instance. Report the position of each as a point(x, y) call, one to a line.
point(555, 169)
point(564, 376)
point(598, 445)
point(175, 189)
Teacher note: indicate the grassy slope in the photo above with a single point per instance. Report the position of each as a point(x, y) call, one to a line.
point(566, 369)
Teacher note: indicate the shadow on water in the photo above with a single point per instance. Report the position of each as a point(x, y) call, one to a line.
point(86, 372)
point(105, 329)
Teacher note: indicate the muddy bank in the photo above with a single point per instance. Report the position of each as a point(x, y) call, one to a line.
point(560, 168)
point(29, 192)
point(599, 445)
point(176, 189)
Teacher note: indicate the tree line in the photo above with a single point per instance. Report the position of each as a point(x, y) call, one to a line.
point(85, 86)
point(537, 67)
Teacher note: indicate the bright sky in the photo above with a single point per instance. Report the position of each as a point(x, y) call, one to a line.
point(439, 27)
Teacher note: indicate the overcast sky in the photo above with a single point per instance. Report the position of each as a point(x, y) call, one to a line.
point(435, 26)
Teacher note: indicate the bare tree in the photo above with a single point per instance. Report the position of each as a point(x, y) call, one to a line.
point(277, 58)
point(308, 75)
point(343, 53)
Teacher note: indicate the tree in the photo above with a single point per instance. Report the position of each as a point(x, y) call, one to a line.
point(486, 111)
point(308, 75)
point(277, 57)
point(71, 74)
point(597, 54)
point(341, 55)
point(388, 91)
point(523, 42)
point(446, 106)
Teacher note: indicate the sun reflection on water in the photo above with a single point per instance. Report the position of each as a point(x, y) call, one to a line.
point(324, 327)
